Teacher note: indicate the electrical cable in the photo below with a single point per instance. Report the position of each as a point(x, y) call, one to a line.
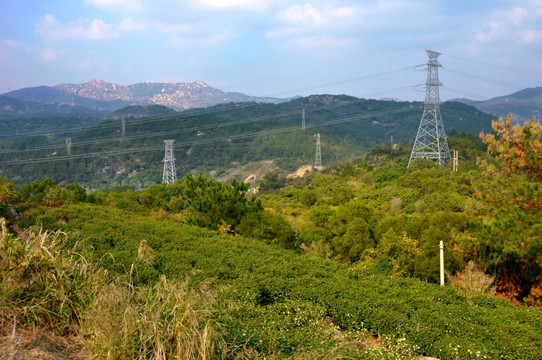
point(194, 128)
point(210, 140)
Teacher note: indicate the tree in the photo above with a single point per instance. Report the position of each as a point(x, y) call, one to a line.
point(508, 240)
point(6, 189)
point(214, 203)
point(520, 147)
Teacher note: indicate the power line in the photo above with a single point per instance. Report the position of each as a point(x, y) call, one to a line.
point(510, 68)
point(194, 128)
point(210, 140)
point(342, 82)
point(198, 112)
point(484, 78)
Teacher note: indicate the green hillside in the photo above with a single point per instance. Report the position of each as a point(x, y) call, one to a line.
point(342, 263)
point(223, 139)
point(524, 104)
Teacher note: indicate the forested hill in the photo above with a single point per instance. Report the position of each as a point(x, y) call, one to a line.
point(524, 104)
point(224, 140)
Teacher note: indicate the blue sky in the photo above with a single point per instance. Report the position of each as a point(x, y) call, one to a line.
point(276, 47)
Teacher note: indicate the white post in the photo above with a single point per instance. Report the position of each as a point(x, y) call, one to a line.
point(441, 263)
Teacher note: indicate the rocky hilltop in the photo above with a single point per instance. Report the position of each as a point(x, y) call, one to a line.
point(178, 96)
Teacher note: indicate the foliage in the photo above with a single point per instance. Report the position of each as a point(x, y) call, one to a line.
point(265, 282)
point(520, 147)
point(358, 244)
point(213, 202)
point(508, 241)
point(224, 146)
point(268, 225)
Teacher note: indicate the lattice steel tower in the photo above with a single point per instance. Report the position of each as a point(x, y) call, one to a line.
point(318, 158)
point(169, 175)
point(431, 142)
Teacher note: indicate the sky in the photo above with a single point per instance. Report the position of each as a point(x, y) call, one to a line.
point(280, 48)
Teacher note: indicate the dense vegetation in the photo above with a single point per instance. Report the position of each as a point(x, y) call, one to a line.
point(222, 140)
point(339, 263)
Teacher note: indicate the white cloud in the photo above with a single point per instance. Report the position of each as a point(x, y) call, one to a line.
point(529, 36)
point(172, 28)
point(13, 44)
point(326, 43)
point(315, 28)
point(49, 54)
point(516, 26)
point(233, 4)
point(516, 16)
point(306, 14)
point(129, 24)
point(303, 15)
point(50, 30)
point(131, 5)
point(202, 41)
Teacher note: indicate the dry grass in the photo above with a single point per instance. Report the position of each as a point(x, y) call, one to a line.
point(472, 280)
point(48, 288)
point(42, 282)
point(166, 321)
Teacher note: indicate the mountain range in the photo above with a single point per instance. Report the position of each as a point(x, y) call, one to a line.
point(102, 96)
point(223, 141)
point(523, 104)
point(98, 98)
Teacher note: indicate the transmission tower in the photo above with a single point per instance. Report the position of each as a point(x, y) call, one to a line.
point(69, 146)
point(431, 142)
point(169, 175)
point(303, 119)
point(123, 124)
point(318, 159)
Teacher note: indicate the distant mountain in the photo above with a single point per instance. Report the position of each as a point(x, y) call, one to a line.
point(10, 107)
point(56, 96)
point(102, 96)
point(523, 104)
point(18, 116)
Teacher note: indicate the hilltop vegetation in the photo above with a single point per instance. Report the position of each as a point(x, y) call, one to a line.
point(524, 104)
point(220, 140)
point(339, 263)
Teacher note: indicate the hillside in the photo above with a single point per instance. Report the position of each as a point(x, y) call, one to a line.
point(222, 139)
point(342, 263)
point(523, 104)
point(139, 111)
point(24, 117)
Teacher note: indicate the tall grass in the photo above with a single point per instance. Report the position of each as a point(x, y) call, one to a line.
point(166, 321)
point(43, 282)
point(48, 285)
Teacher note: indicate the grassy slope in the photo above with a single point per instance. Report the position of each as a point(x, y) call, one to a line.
point(442, 322)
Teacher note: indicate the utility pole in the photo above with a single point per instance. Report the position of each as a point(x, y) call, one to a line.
point(303, 119)
point(441, 263)
point(318, 158)
point(455, 162)
point(69, 146)
point(431, 142)
point(169, 176)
